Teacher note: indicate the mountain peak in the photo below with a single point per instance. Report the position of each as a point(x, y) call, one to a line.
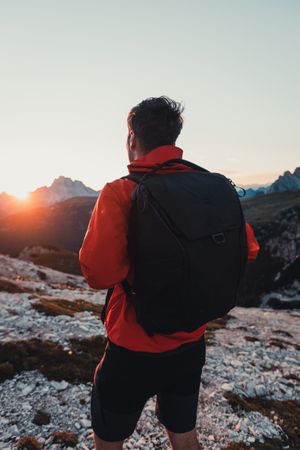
point(61, 189)
point(297, 172)
point(64, 181)
point(286, 182)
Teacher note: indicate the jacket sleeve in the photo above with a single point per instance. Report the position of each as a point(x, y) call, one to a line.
point(103, 254)
point(253, 245)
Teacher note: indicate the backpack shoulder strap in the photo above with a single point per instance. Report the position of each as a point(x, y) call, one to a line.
point(183, 162)
point(128, 291)
point(134, 176)
point(138, 176)
point(104, 307)
point(169, 162)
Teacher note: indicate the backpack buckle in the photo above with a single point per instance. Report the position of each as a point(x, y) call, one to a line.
point(218, 238)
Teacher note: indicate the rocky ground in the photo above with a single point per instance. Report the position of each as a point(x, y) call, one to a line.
point(273, 280)
point(51, 338)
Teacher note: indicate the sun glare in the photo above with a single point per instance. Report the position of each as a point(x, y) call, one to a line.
point(22, 196)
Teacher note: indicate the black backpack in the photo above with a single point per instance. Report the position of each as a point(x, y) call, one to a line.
point(188, 244)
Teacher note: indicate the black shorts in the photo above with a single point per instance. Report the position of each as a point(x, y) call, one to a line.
point(126, 379)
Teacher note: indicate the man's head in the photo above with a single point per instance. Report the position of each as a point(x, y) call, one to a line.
point(154, 122)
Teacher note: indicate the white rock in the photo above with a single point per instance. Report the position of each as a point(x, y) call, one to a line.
point(27, 390)
point(60, 385)
point(227, 386)
point(85, 423)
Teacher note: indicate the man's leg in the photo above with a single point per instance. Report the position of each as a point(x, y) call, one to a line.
point(117, 398)
point(184, 441)
point(177, 401)
point(104, 445)
point(113, 427)
point(179, 413)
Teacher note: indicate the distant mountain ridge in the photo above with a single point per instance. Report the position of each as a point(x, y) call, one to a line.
point(62, 225)
point(274, 278)
point(62, 188)
point(275, 218)
point(286, 182)
point(251, 192)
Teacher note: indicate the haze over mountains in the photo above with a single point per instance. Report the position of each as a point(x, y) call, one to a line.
point(58, 216)
point(274, 278)
point(286, 182)
point(61, 189)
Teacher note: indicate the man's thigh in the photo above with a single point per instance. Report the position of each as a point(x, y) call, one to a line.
point(176, 408)
point(177, 401)
point(118, 396)
point(125, 380)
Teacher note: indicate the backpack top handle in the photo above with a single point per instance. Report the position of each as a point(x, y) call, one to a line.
point(169, 162)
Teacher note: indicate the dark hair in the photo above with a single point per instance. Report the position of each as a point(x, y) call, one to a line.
point(156, 121)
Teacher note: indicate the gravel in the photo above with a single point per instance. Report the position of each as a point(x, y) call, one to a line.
point(255, 355)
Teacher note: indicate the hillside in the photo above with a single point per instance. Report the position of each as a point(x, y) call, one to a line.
point(62, 225)
point(53, 257)
point(274, 278)
point(286, 182)
point(263, 209)
point(51, 339)
point(62, 188)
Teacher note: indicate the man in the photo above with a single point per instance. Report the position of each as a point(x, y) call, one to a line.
point(136, 366)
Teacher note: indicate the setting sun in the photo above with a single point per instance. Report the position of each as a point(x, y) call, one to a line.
point(22, 196)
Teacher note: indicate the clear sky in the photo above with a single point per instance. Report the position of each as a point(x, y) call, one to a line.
point(71, 70)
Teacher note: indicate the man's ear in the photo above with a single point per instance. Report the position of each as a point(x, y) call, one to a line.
point(132, 140)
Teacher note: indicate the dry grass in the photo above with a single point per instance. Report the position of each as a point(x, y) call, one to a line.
point(281, 343)
point(41, 417)
point(251, 338)
point(61, 260)
point(286, 413)
point(11, 287)
point(269, 444)
point(75, 366)
point(58, 306)
point(264, 208)
point(28, 442)
point(65, 438)
point(215, 325)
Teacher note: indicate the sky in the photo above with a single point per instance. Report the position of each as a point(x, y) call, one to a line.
point(71, 70)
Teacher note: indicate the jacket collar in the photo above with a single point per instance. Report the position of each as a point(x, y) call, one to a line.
point(156, 156)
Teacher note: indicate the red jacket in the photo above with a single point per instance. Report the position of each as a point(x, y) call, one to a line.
point(104, 260)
